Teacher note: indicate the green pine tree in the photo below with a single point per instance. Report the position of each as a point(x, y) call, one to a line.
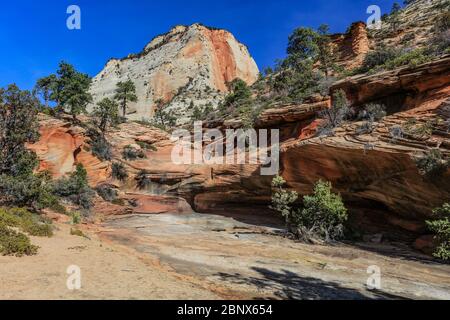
point(71, 90)
point(125, 93)
point(45, 86)
point(107, 113)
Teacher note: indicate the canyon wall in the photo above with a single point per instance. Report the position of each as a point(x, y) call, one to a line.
point(376, 174)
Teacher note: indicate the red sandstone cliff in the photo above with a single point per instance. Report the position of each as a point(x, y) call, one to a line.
point(381, 184)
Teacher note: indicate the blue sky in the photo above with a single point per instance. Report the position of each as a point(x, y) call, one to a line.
point(34, 36)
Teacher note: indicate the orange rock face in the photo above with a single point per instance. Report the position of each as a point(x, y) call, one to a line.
point(401, 89)
point(56, 148)
point(376, 175)
point(351, 48)
point(62, 147)
point(360, 41)
point(224, 65)
point(145, 204)
point(189, 63)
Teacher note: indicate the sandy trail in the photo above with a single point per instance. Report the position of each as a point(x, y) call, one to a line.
point(212, 257)
point(106, 273)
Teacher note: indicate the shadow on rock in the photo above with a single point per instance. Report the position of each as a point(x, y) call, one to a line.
point(291, 286)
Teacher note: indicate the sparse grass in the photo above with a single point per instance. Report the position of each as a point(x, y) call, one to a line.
point(118, 202)
point(389, 59)
point(15, 223)
point(412, 59)
point(76, 218)
point(76, 232)
point(131, 153)
point(14, 243)
point(107, 193)
point(432, 164)
point(26, 222)
point(119, 171)
point(441, 227)
point(146, 146)
point(416, 130)
point(145, 123)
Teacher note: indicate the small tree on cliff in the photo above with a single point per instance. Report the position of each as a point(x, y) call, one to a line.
point(45, 86)
point(239, 102)
point(333, 117)
point(125, 93)
point(107, 113)
point(325, 55)
point(303, 44)
point(396, 7)
point(307, 44)
point(162, 118)
point(70, 89)
point(240, 93)
point(297, 76)
point(395, 16)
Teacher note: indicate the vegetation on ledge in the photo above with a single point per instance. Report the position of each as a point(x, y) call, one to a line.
point(321, 217)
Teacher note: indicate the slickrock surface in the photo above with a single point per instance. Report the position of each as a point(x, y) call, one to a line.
point(197, 256)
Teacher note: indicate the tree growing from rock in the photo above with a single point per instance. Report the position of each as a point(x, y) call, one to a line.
point(162, 118)
point(396, 7)
point(325, 55)
point(333, 117)
point(321, 217)
point(239, 102)
point(107, 114)
point(69, 89)
point(240, 93)
point(395, 16)
point(297, 77)
point(125, 93)
point(307, 44)
point(45, 86)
